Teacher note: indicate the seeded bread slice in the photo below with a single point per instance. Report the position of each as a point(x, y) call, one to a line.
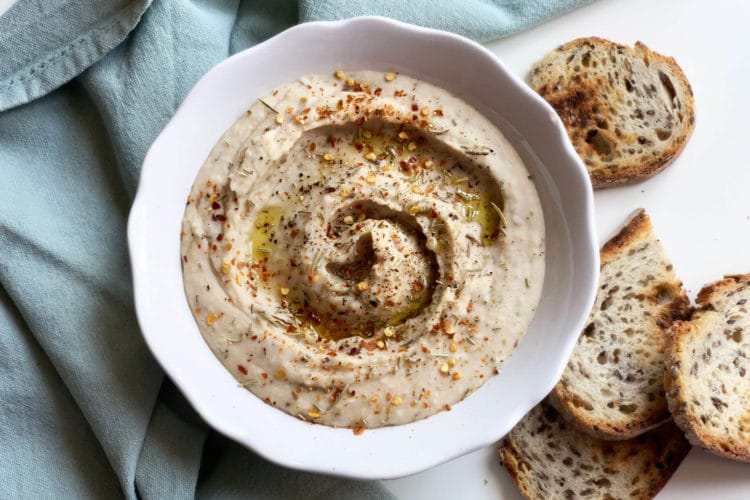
point(547, 458)
point(612, 387)
point(628, 110)
point(708, 370)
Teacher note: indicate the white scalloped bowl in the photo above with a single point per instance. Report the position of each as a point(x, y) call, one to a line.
point(454, 63)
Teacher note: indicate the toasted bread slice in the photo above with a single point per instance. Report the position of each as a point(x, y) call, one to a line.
point(708, 370)
point(547, 458)
point(612, 387)
point(628, 110)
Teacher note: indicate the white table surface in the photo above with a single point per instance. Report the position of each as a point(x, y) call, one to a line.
point(5, 5)
point(700, 205)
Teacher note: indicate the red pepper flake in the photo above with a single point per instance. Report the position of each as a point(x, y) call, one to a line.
point(433, 213)
point(184, 258)
point(216, 205)
point(242, 369)
point(359, 430)
point(353, 351)
point(334, 395)
point(414, 107)
point(291, 329)
point(220, 217)
point(264, 375)
point(378, 91)
point(219, 236)
point(370, 345)
point(294, 233)
point(313, 147)
point(329, 189)
point(399, 93)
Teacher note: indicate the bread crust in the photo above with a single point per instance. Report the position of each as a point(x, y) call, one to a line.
point(564, 396)
point(510, 457)
point(584, 102)
point(546, 458)
point(680, 381)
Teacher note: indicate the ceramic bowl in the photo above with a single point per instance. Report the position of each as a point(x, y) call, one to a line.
point(465, 69)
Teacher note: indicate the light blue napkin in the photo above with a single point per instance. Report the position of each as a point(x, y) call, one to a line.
point(85, 87)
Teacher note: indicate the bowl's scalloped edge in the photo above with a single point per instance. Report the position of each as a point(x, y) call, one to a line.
point(137, 220)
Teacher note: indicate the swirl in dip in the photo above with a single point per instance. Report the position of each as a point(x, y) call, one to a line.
point(362, 250)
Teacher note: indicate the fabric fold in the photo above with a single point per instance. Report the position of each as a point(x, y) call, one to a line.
point(64, 264)
point(38, 420)
point(481, 20)
point(46, 44)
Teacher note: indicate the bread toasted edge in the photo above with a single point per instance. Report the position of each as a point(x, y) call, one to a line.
point(644, 170)
point(674, 451)
point(675, 388)
point(561, 400)
point(510, 459)
point(637, 225)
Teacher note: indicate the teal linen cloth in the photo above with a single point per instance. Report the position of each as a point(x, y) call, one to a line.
point(85, 87)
